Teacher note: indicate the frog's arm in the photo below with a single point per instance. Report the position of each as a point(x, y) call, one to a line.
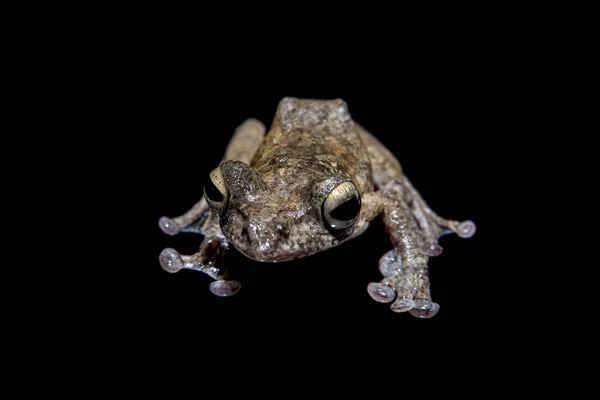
point(201, 219)
point(413, 228)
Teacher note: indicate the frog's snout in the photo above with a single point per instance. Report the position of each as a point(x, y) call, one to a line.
point(264, 236)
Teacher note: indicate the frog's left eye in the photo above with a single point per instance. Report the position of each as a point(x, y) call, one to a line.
point(342, 206)
point(215, 191)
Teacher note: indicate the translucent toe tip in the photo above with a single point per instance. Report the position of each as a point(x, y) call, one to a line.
point(381, 293)
point(402, 305)
point(170, 260)
point(168, 226)
point(425, 309)
point(225, 288)
point(466, 229)
point(435, 250)
point(390, 263)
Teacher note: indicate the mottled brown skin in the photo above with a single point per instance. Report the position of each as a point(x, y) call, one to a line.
point(276, 186)
point(310, 143)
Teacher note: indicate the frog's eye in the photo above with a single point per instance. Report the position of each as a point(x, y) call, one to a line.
point(342, 206)
point(215, 191)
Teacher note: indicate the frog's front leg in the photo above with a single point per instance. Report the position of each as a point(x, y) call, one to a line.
point(202, 220)
point(210, 259)
point(406, 276)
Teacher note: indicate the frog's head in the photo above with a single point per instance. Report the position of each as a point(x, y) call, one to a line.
point(281, 216)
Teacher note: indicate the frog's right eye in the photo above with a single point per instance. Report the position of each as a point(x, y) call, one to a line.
point(215, 191)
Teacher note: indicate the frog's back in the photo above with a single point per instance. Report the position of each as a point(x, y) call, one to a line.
point(315, 135)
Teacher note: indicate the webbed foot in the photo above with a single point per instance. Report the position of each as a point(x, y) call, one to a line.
point(206, 260)
point(407, 284)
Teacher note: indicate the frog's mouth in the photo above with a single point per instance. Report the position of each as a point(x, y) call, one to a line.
point(273, 251)
point(265, 252)
point(277, 240)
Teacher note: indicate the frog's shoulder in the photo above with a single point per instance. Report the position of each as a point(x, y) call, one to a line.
point(313, 115)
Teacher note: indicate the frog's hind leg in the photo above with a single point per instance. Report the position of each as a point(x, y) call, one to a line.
point(245, 141)
point(242, 147)
point(432, 225)
point(388, 177)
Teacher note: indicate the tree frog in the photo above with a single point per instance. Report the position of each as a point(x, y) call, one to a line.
point(314, 181)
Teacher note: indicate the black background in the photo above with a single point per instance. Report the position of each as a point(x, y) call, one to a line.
point(162, 115)
point(181, 116)
point(138, 106)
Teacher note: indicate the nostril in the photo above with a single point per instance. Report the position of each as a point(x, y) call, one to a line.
point(280, 227)
point(282, 230)
point(251, 230)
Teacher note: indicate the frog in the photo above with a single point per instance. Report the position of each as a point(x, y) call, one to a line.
point(315, 180)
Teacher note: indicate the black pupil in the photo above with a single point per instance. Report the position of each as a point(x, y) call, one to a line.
point(348, 210)
point(212, 192)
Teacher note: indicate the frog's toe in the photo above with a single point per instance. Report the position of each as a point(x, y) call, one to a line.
point(390, 264)
point(466, 229)
point(224, 288)
point(170, 260)
point(380, 292)
point(169, 226)
point(424, 308)
point(435, 249)
point(402, 305)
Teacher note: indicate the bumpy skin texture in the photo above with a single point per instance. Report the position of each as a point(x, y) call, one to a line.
point(274, 212)
point(275, 187)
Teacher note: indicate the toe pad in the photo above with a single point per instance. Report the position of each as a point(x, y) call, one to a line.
point(225, 288)
point(168, 226)
point(170, 260)
point(381, 293)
